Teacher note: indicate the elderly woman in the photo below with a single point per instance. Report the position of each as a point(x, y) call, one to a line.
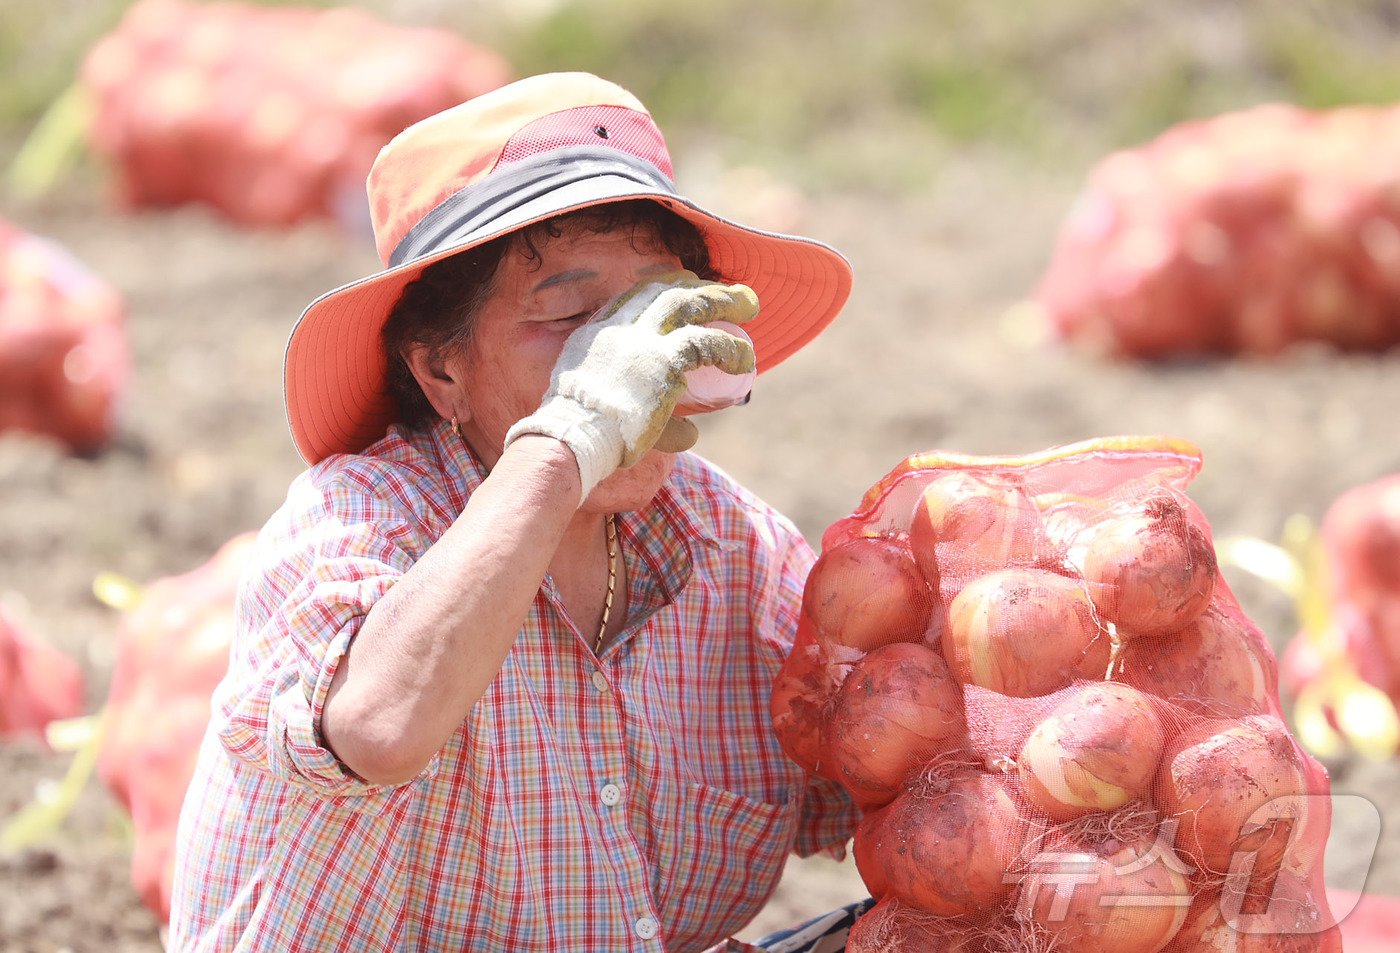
point(501, 674)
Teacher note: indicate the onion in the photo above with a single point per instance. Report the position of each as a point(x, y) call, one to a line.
point(1219, 665)
point(998, 725)
point(1152, 570)
point(898, 708)
point(1213, 780)
point(866, 845)
point(1067, 518)
point(965, 524)
point(801, 692)
point(1097, 751)
point(867, 592)
point(947, 850)
point(1024, 632)
point(1123, 898)
point(1289, 919)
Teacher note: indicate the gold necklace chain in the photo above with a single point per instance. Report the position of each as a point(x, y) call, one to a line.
point(612, 581)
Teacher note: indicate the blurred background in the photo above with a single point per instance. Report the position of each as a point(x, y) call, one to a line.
point(953, 150)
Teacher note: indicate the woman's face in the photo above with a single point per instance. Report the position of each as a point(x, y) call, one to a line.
point(520, 330)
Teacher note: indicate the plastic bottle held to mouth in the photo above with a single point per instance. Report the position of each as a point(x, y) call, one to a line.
point(709, 388)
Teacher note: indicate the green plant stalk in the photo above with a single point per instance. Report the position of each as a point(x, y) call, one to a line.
point(45, 814)
point(53, 146)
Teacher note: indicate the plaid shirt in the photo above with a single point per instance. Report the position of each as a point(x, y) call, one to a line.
point(637, 801)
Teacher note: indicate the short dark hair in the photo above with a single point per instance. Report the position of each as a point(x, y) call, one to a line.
point(438, 308)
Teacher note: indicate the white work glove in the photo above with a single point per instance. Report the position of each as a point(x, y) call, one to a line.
point(619, 376)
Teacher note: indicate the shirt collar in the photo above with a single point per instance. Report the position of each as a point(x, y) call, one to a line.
point(660, 536)
point(457, 460)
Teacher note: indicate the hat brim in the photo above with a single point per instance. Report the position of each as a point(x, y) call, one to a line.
point(334, 370)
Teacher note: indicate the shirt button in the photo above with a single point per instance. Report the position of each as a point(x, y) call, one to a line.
point(610, 794)
point(646, 928)
point(600, 681)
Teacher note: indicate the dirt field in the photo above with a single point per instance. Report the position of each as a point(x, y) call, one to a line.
point(924, 357)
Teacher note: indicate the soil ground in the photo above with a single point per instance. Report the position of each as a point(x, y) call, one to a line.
point(929, 354)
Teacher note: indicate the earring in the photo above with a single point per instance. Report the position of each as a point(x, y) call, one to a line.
point(455, 428)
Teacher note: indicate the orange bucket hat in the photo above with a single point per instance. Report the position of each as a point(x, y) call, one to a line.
point(517, 155)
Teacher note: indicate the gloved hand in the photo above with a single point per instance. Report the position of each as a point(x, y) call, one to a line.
point(619, 376)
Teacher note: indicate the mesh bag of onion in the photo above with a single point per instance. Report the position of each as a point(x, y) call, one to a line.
point(270, 115)
point(64, 356)
point(1361, 536)
point(1240, 233)
point(1342, 668)
point(172, 648)
point(1062, 729)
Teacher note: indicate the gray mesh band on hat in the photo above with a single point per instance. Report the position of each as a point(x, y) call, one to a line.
point(474, 208)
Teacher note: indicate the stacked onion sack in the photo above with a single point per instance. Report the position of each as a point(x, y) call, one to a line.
point(172, 650)
point(1361, 546)
point(64, 358)
point(1242, 233)
point(269, 115)
point(39, 684)
point(1063, 731)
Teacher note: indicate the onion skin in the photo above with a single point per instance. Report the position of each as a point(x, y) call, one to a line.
point(1024, 632)
point(1219, 665)
point(1291, 920)
point(965, 524)
point(948, 852)
point(1214, 777)
point(867, 592)
point(1074, 895)
point(1097, 751)
point(1153, 571)
point(898, 708)
point(1067, 522)
point(866, 845)
point(801, 692)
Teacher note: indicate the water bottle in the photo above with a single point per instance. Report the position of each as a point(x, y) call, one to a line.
point(709, 388)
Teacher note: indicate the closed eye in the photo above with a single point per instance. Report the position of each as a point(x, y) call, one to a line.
point(572, 321)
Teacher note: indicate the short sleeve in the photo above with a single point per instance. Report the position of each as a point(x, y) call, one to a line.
point(321, 563)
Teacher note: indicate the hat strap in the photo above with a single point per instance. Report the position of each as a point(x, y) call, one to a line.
point(477, 207)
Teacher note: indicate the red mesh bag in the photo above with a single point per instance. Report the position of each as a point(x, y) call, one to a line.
point(271, 116)
point(894, 927)
point(38, 682)
point(1361, 538)
point(1063, 730)
point(172, 650)
point(1360, 579)
point(1244, 233)
point(64, 359)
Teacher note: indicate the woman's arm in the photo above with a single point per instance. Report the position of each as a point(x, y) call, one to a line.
point(430, 647)
point(432, 644)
